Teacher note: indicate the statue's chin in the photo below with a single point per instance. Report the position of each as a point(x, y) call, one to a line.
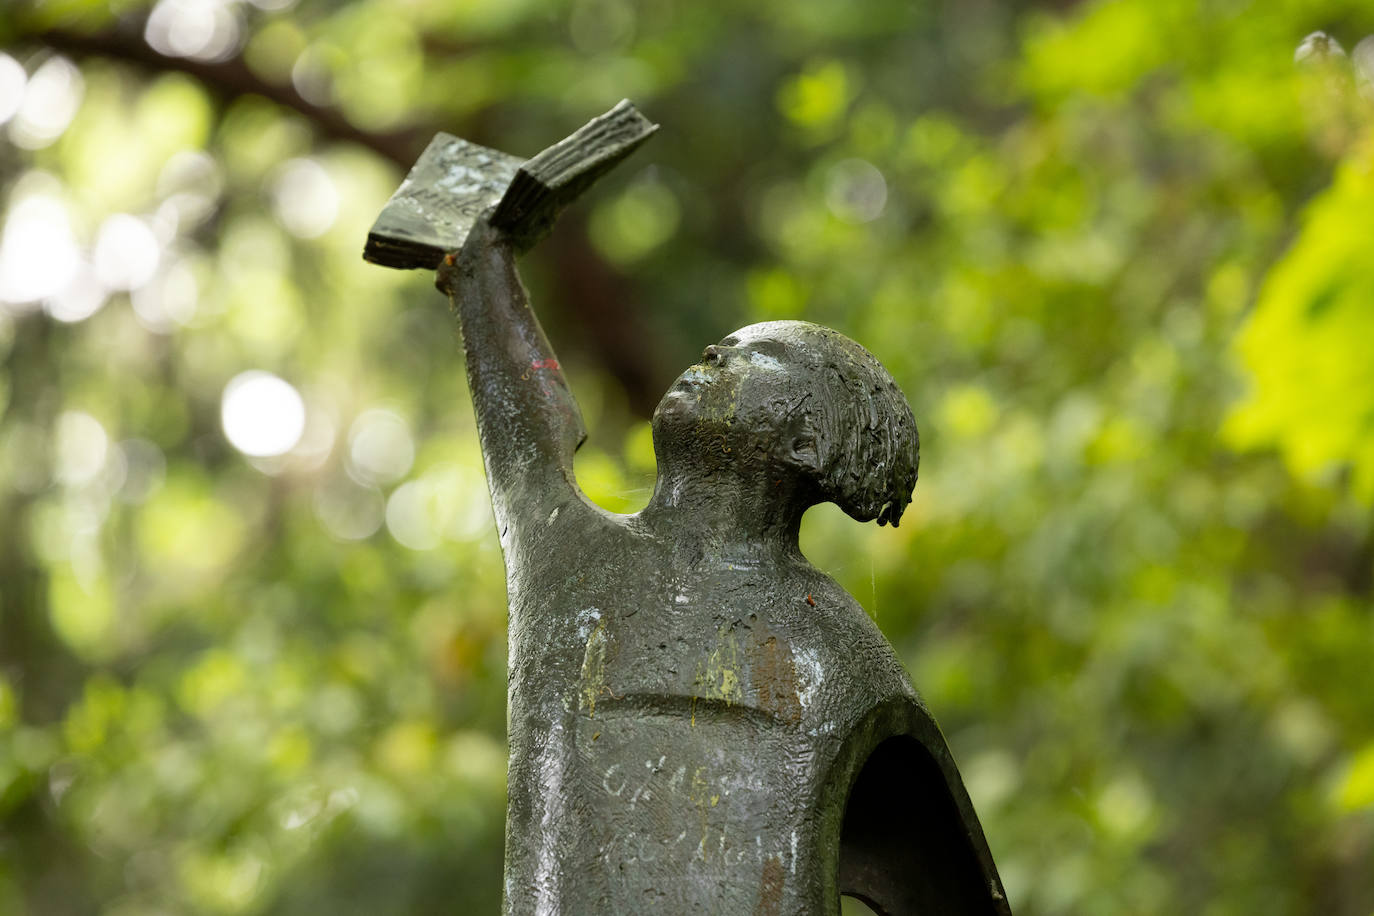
point(678, 403)
point(682, 428)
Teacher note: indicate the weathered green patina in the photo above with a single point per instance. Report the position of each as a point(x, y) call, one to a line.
point(699, 719)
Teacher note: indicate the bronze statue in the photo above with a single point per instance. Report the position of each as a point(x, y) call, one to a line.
point(699, 719)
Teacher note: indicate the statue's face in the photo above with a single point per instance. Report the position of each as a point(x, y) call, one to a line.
point(738, 402)
point(793, 401)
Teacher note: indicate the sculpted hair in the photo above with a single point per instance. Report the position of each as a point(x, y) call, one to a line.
point(867, 444)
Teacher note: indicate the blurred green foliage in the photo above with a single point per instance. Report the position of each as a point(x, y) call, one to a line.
point(1119, 255)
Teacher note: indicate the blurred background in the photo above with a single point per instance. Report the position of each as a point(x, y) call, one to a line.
point(1120, 256)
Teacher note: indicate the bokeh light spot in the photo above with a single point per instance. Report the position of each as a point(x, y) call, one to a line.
point(200, 29)
point(855, 191)
point(305, 198)
point(190, 184)
point(636, 222)
point(417, 513)
point(12, 82)
point(126, 252)
point(48, 105)
point(349, 511)
point(38, 256)
point(81, 447)
point(262, 415)
point(82, 616)
point(79, 299)
point(312, 77)
point(380, 449)
point(169, 299)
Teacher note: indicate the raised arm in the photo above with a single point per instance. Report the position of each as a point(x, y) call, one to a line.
point(527, 419)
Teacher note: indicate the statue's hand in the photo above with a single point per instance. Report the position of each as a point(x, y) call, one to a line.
point(482, 239)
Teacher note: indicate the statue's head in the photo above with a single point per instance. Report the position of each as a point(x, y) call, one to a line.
point(794, 400)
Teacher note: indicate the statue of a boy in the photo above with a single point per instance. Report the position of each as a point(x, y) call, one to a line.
point(699, 719)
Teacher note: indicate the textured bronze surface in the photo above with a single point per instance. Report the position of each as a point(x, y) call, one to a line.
point(555, 178)
point(431, 212)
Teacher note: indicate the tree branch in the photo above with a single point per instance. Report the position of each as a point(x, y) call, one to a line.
point(231, 78)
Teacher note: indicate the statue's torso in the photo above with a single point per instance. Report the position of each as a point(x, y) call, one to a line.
point(673, 719)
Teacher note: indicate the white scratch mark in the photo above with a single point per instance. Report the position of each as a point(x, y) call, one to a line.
point(764, 361)
point(809, 673)
point(586, 619)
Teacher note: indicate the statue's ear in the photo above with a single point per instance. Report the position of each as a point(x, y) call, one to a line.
point(799, 446)
point(802, 452)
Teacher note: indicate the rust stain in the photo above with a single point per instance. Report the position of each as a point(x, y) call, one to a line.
point(775, 679)
point(770, 889)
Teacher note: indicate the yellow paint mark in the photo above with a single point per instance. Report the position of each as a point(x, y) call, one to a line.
point(697, 794)
point(594, 667)
point(718, 677)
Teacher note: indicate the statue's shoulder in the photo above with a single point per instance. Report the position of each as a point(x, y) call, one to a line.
point(568, 531)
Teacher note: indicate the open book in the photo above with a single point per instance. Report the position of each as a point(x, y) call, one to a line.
point(454, 181)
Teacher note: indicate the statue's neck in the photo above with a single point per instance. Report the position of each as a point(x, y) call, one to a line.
point(732, 516)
